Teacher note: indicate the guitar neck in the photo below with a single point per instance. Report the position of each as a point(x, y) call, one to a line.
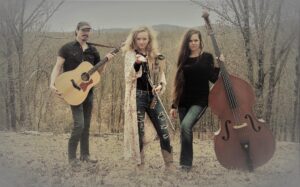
point(102, 62)
point(97, 66)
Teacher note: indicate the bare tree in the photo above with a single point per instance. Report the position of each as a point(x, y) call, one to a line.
point(259, 23)
point(296, 121)
point(7, 51)
point(4, 113)
point(278, 59)
point(99, 99)
point(21, 24)
point(237, 14)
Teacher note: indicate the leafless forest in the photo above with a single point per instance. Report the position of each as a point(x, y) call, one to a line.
point(259, 39)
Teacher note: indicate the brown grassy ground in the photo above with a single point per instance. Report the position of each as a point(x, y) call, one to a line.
point(41, 160)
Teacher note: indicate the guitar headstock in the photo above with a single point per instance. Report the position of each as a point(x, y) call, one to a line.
point(117, 49)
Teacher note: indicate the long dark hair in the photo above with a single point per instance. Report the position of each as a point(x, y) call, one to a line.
point(184, 54)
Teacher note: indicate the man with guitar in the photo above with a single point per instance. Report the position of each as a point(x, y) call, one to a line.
point(70, 56)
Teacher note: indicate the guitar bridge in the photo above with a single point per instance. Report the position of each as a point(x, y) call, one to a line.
point(75, 85)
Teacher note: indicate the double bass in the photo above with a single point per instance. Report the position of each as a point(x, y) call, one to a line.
point(242, 141)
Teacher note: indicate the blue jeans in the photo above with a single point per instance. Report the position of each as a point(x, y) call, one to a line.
point(80, 132)
point(157, 117)
point(188, 118)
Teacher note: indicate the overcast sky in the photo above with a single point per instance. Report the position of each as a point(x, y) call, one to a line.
point(126, 14)
point(130, 13)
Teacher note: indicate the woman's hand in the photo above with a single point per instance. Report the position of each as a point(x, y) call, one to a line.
point(140, 59)
point(157, 89)
point(221, 58)
point(173, 113)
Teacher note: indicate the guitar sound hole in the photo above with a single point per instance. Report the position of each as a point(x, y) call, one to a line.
point(85, 76)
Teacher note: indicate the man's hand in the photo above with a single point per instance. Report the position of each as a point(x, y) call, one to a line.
point(54, 90)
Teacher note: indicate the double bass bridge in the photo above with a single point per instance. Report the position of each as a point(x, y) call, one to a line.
point(240, 126)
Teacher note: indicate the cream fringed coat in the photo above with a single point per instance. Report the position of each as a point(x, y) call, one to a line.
point(131, 136)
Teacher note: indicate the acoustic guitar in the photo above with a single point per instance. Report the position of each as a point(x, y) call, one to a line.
point(75, 85)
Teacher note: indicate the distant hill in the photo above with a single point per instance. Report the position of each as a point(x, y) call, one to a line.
point(160, 27)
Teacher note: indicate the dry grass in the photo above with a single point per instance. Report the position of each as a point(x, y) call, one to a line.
point(41, 160)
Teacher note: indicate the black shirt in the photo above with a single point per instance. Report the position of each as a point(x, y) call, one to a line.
point(73, 55)
point(142, 82)
point(197, 72)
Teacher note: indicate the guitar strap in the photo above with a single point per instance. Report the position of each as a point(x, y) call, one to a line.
point(100, 45)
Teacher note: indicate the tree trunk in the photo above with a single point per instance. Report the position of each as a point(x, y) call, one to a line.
point(296, 121)
point(273, 66)
point(12, 93)
point(275, 125)
point(19, 43)
point(7, 113)
point(121, 112)
point(247, 36)
point(99, 117)
point(7, 105)
point(113, 110)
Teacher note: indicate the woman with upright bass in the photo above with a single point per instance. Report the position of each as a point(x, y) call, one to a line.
point(242, 142)
point(195, 69)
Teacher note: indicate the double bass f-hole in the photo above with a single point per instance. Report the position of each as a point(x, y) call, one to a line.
point(226, 138)
point(256, 129)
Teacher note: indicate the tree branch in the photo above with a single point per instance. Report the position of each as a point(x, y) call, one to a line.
point(219, 13)
point(34, 13)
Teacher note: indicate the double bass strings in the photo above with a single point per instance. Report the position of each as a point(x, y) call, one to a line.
point(228, 89)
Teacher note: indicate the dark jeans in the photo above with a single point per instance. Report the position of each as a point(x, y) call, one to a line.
point(157, 117)
point(80, 132)
point(188, 118)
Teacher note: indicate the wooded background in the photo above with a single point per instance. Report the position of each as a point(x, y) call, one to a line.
point(259, 39)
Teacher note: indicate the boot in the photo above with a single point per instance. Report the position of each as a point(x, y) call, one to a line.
point(87, 159)
point(141, 167)
point(75, 165)
point(168, 159)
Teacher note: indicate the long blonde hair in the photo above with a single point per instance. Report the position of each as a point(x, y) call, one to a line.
point(152, 47)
